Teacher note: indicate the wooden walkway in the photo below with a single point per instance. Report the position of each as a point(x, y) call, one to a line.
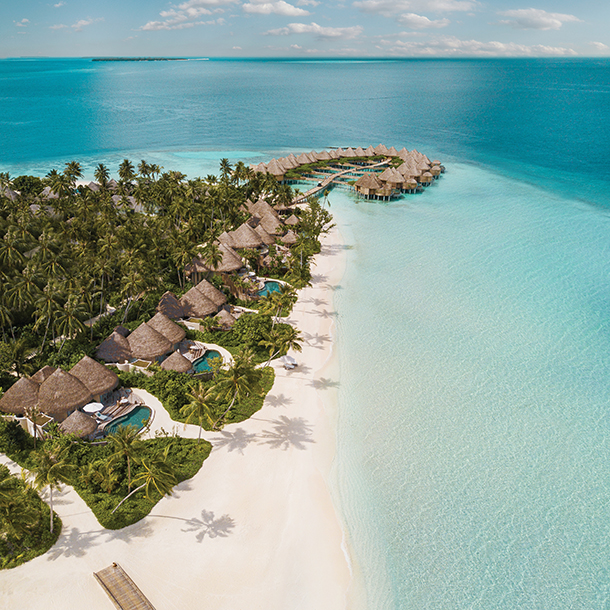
point(302, 198)
point(121, 590)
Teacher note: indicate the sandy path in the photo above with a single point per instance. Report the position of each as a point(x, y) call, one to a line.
point(255, 528)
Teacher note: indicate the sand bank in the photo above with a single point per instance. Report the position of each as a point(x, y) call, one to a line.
point(255, 528)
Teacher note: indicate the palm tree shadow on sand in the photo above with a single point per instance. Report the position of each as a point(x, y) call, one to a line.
point(278, 401)
point(210, 526)
point(237, 440)
point(287, 432)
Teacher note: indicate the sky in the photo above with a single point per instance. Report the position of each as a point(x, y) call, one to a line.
point(305, 28)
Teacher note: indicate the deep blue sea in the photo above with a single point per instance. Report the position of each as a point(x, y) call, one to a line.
point(473, 465)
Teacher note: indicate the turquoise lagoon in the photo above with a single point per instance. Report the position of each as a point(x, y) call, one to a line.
point(473, 460)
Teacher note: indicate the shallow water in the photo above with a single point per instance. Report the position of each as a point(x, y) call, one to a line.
point(472, 467)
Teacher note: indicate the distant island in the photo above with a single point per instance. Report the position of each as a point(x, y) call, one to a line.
point(139, 59)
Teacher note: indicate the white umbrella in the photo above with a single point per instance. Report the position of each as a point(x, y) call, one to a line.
point(93, 407)
point(288, 361)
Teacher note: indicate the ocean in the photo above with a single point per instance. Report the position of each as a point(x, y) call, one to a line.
point(473, 433)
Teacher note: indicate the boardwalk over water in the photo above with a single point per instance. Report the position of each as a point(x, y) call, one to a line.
point(302, 198)
point(122, 591)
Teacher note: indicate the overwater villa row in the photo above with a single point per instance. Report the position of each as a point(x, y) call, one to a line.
point(373, 173)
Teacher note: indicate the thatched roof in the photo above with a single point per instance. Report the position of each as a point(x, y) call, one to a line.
point(61, 393)
point(360, 152)
point(176, 362)
point(323, 156)
point(392, 152)
point(230, 260)
point(47, 193)
point(274, 168)
point(410, 183)
point(211, 292)
point(369, 181)
point(290, 238)
point(94, 186)
point(349, 152)
point(303, 159)
point(121, 330)
point(407, 170)
point(339, 152)
point(114, 349)
point(147, 343)
point(370, 151)
point(170, 330)
point(271, 224)
point(292, 220)
point(225, 319)
point(381, 150)
point(96, 377)
point(170, 306)
point(78, 423)
point(261, 207)
point(391, 176)
point(267, 239)
point(245, 237)
point(334, 153)
point(21, 396)
point(44, 373)
point(197, 305)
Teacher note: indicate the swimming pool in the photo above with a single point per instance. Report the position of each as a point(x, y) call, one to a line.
point(138, 418)
point(202, 364)
point(269, 288)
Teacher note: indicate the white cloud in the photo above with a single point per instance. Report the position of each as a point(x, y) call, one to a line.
point(59, 4)
point(79, 25)
point(419, 22)
point(296, 47)
point(392, 8)
point(600, 46)
point(277, 8)
point(186, 14)
point(453, 47)
point(237, 48)
point(535, 19)
point(22, 24)
point(313, 3)
point(318, 30)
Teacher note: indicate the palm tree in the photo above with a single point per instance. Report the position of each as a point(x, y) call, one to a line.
point(69, 321)
point(33, 413)
point(51, 470)
point(282, 339)
point(238, 381)
point(157, 474)
point(125, 444)
point(102, 175)
point(19, 354)
point(199, 409)
point(73, 171)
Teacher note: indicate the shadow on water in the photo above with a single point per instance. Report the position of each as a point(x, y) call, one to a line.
point(237, 440)
point(287, 432)
point(209, 525)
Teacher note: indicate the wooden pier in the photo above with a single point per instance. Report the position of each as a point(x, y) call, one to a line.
point(302, 197)
point(121, 590)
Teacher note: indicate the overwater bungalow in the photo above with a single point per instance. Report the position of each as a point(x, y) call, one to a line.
point(381, 149)
point(370, 151)
point(276, 170)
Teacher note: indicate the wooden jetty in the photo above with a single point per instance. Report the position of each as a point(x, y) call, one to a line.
point(122, 591)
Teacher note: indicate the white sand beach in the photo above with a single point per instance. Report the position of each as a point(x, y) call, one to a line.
point(255, 528)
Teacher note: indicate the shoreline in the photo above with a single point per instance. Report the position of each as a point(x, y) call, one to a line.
point(257, 525)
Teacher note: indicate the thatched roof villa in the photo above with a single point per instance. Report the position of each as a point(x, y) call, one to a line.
point(170, 306)
point(148, 344)
point(177, 362)
point(225, 319)
point(197, 305)
point(115, 348)
point(212, 293)
point(95, 377)
point(61, 394)
point(20, 397)
point(80, 424)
